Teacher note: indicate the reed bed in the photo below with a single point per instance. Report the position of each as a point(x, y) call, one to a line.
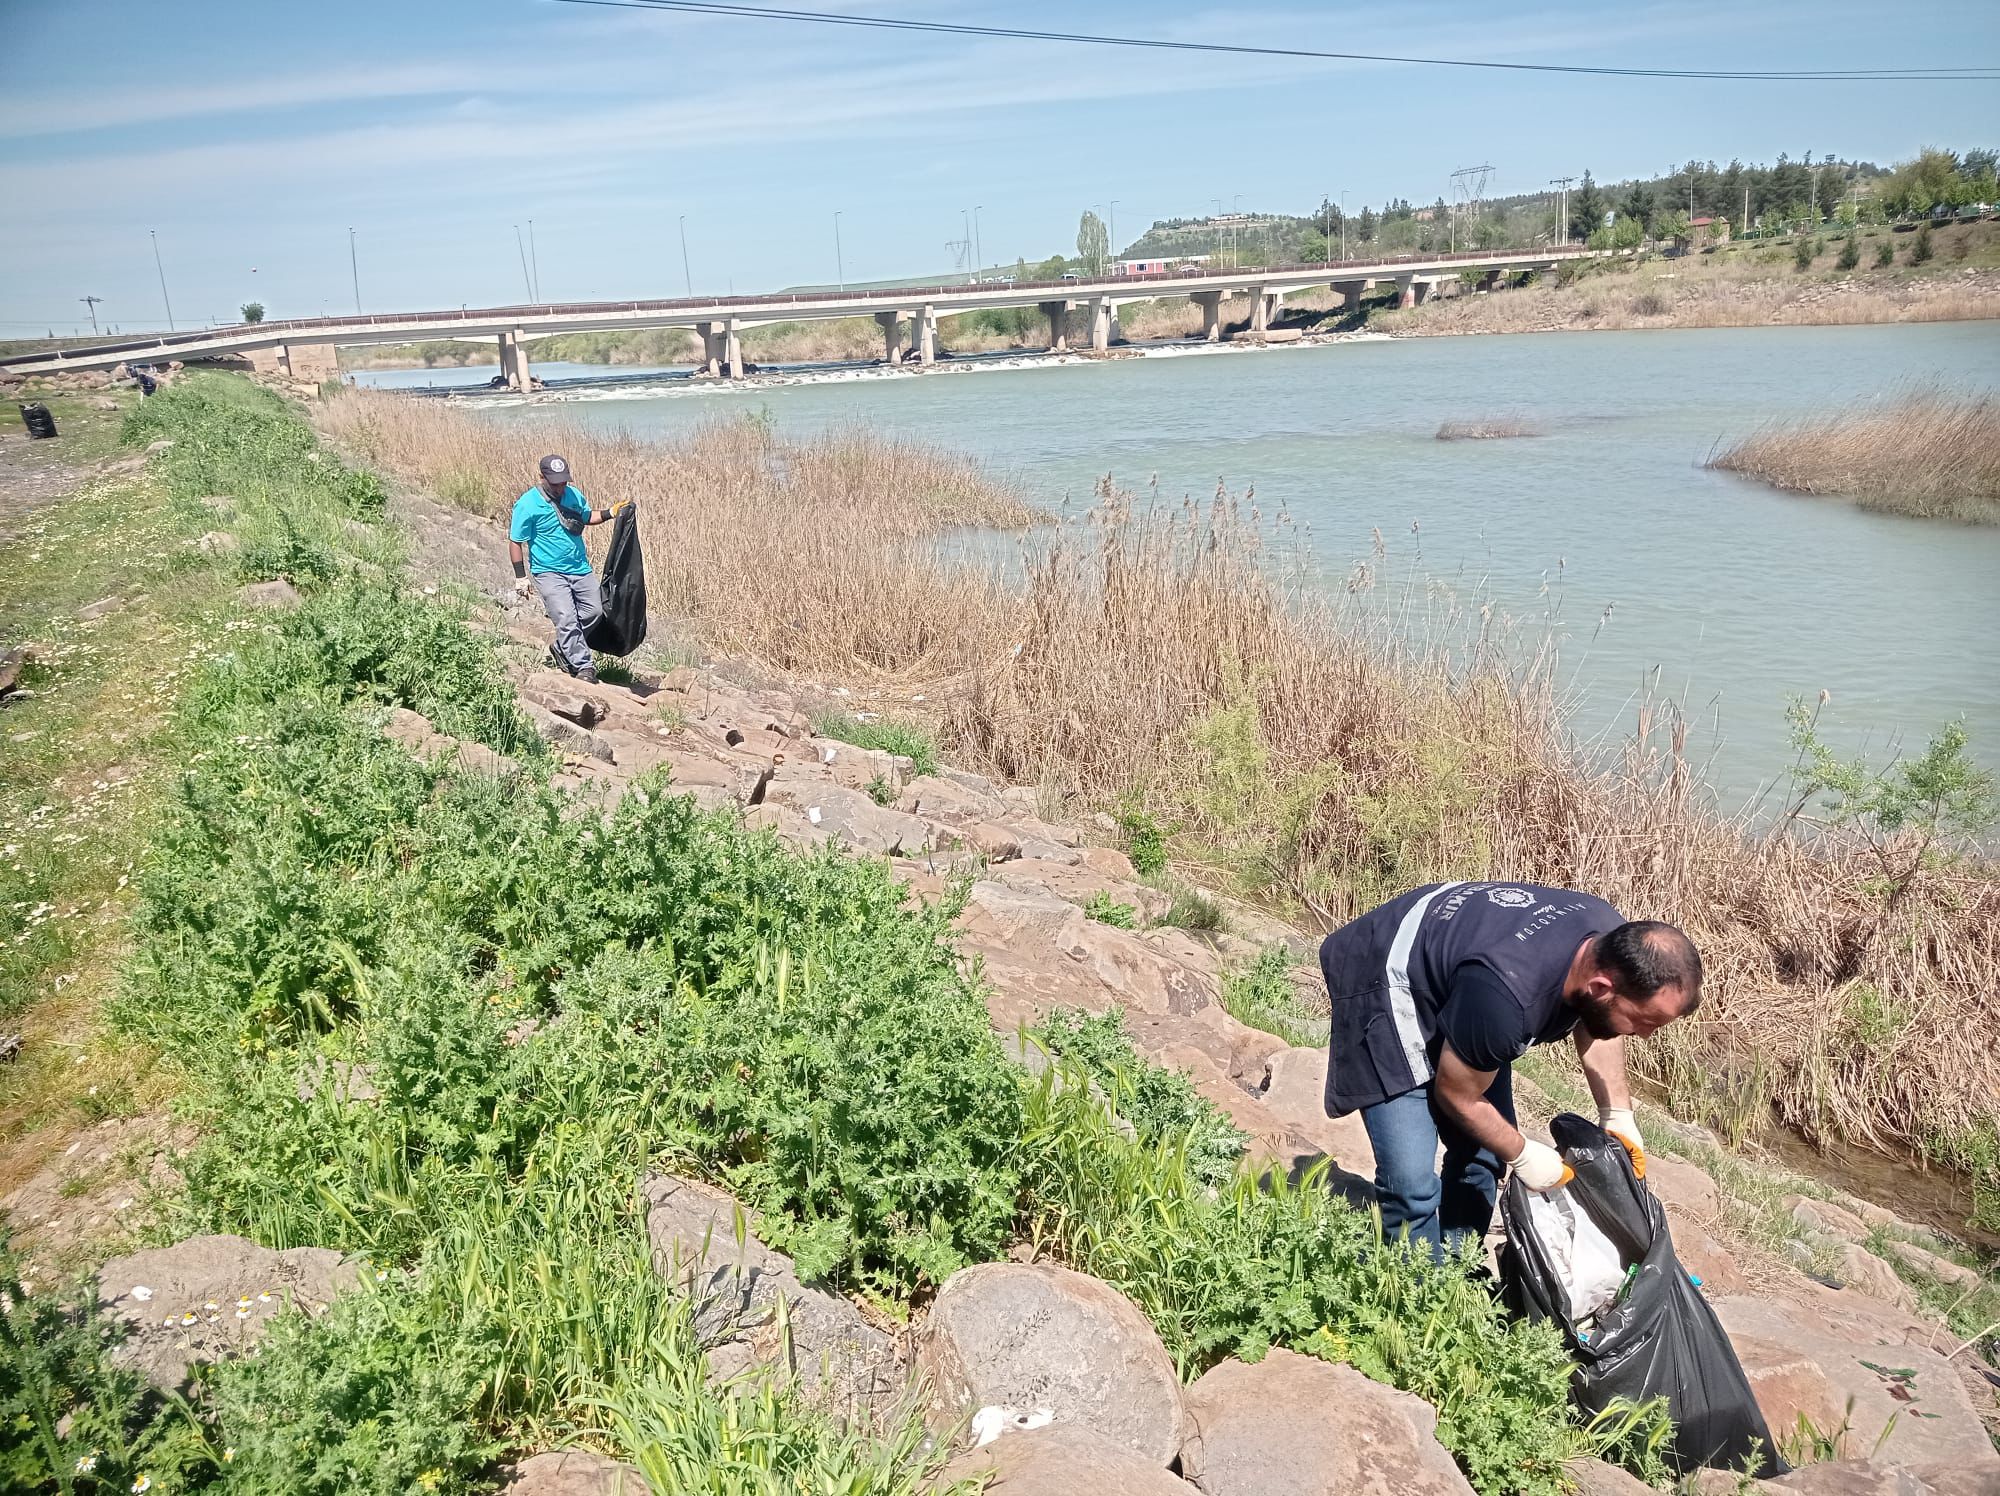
point(1487, 429)
point(1180, 660)
point(1929, 454)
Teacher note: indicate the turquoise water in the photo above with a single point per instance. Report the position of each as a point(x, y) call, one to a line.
point(1651, 574)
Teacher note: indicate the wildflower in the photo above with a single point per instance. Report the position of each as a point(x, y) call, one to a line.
point(143, 1484)
point(87, 1463)
point(188, 1318)
point(229, 1454)
point(429, 1479)
point(242, 1313)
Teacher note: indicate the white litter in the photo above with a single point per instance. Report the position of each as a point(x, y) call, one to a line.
point(1583, 1256)
point(812, 814)
point(141, 1292)
point(990, 1423)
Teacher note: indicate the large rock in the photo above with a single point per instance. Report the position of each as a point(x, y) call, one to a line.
point(1863, 1271)
point(850, 816)
point(1293, 1425)
point(209, 1298)
point(574, 1472)
point(1824, 1218)
point(1295, 1090)
point(1869, 1378)
point(938, 798)
point(840, 1360)
point(1037, 1336)
point(1866, 1478)
point(1063, 1459)
point(1919, 1259)
point(1595, 1478)
point(1078, 883)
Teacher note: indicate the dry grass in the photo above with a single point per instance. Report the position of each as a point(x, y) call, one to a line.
point(1492, 428)
point(1177, 659)
point(1933, 455)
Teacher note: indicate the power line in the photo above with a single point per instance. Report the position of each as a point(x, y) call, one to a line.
point(947, 28)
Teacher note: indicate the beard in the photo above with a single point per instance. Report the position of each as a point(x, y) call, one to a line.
point(1596, 1017)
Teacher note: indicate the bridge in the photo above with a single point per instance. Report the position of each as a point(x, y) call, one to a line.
point(720, 321)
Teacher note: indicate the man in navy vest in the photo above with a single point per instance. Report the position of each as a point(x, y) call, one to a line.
point(1435, 995)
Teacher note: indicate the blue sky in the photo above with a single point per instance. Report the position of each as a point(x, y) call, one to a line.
point(252, 135)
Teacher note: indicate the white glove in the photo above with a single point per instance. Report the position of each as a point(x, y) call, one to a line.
point(521, 587)
point(1624, 1126)
point(1540, 1167)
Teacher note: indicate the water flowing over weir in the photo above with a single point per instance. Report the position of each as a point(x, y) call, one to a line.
point(1657, 579)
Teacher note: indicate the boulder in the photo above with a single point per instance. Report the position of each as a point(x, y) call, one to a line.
point(1866, 1478)
point(850, 816)
point(1062, 1459)
point(1870, 1378)
point(1294, 1425)
point(1864, 1272)
point(278, 594)
point(1918, 1259)
point(1824, 1218)
point(1295, 1091)
point(1037, 1336)
point(584, 711)
point(415, 732)
point(102, 608)
point(948, 800)
point(841, 1361)
point(1077, 883)
point(209, 1298)
point(1595, 1478)
point(1110, 862)
point(218, 543)
point(560, 732)
point(1682, 1186)
point(574, 1472)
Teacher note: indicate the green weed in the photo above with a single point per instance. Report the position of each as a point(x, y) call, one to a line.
point(889, 735)
point(1106, 910)
point(1191, 909)
point(1262, 995)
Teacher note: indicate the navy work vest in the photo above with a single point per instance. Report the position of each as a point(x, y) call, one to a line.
point(1389, 972)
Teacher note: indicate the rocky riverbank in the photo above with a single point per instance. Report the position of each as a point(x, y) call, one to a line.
point(1054, 916)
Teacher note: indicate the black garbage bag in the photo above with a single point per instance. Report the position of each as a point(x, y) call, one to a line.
point(622, 628)
point(1659, 1338)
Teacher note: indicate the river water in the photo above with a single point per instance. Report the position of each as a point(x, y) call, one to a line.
point(1652, 574)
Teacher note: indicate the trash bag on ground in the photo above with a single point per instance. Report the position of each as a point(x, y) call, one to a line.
point(1657, 1337)
point(622, 581)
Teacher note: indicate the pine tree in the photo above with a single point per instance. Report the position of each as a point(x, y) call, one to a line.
point(1586, 209)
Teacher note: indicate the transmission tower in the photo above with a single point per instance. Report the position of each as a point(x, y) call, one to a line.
point(1468, 190)
point(960, 251)
point(1562, 213)
point(92, 303)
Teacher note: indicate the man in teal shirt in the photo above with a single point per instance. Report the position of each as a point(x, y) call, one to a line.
point(545, 542)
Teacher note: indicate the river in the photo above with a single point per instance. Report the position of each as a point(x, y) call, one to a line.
point(1652, 573)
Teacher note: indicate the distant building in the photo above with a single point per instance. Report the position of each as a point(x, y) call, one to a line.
point(1424, 215)
point(1703, 232)
point(1160, 266)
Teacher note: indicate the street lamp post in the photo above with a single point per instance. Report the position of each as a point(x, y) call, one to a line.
point(978, 256)
point(521, 249)
point(1343, 225)
point(534, 263)
point(687, 275)
point(839, 261)
point(965, 225)
point(153, 234)
point(354, 269)
point(1111, 233)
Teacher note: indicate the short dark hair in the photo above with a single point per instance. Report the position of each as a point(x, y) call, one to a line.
point(1643, 955)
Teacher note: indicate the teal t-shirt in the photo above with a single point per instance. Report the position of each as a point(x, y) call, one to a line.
point(551, 547)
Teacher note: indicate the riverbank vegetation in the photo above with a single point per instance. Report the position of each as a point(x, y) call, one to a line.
point(1169, 660)
point(1932, 455)
point(548, 1000)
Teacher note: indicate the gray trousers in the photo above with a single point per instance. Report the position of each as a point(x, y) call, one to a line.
point(574, 604)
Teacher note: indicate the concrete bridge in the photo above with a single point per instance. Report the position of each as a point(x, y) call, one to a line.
point(288, 347)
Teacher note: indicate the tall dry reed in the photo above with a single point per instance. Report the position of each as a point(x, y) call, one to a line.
point(1180, 659)
point(1929, 454)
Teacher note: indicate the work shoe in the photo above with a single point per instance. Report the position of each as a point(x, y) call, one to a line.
point(557, 662)
point(589, 675)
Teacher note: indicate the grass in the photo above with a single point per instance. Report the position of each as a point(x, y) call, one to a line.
point(1107, 910)
point(793, 1026)
point(1184, 667)
point(909, 740)
point(1929, 454)
point(1263, 995)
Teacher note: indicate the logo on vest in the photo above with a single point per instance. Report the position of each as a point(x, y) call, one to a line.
point(1511, 898)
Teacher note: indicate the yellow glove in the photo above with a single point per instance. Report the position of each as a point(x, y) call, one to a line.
point(1624, 1126)
point(1540, 1167)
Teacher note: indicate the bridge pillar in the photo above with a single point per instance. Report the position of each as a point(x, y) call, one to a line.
point(927, 335)
point(1058, 314)
point(1350, 294)
point(1407, 295)
point(891, 324)
point(284, 357)
point(1260, 309)
point(711, 348)
point(514, 361)
point(1491, 280)
point(1210, 303)
point(732, 338)
point(1100, 324)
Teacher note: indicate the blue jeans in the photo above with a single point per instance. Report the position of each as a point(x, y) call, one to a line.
point(1442, 1209)
point(574, 604)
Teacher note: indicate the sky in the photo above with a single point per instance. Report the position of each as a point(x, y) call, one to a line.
point(246, 139)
